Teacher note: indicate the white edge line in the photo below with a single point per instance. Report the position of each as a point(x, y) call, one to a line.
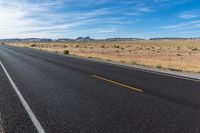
point(25, 104)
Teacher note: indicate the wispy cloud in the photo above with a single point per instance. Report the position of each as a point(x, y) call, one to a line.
point(67, 18)
point(20, 17)
point(183, 25)
point(190, 14)
point(101, 30)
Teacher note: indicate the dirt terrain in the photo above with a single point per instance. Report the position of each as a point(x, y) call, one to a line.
point(177, 55)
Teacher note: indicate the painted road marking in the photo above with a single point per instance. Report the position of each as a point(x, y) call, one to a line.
point(117, 83)
point(24, 103)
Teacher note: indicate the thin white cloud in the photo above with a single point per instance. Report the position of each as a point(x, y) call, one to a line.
point(46, 18)
point(190, 15)
point(102, 30)
point(22, 19)
point(183, 25)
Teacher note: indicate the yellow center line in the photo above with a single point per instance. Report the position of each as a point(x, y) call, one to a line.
point(117, 83)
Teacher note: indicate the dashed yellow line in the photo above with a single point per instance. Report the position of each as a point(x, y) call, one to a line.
point(117, 83)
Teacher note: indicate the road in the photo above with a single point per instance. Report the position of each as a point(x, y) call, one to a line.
point(73, 95)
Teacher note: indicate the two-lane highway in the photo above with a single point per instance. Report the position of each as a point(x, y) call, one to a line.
point(68, 94)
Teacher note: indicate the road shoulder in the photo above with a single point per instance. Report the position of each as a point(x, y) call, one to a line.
point(14, 119)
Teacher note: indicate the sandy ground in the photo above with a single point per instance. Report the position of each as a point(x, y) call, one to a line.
point(177, 55)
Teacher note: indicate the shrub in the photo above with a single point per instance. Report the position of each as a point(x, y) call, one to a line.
point(33, 45)
point(147, 48)
point(103, 46)
point(66, 52)
point(116, 46)
point(134, 63)
point(159, 66)
point(174, 69)
point(178, 54)
point(108, 60)
point(194, 49)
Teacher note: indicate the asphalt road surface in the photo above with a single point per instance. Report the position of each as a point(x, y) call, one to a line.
point(72, 95)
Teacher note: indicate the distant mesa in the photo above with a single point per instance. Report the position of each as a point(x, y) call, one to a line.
point(64, 40)
point(79, 39)
point(86, 39)
point(73, 40)
point(123, 39)
point(174, 38)
point(47, 39)
point(26, 40)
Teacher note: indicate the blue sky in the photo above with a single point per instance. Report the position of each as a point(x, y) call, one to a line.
point(99, 18)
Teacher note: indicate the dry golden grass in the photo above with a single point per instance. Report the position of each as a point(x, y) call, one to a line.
point(179, 55)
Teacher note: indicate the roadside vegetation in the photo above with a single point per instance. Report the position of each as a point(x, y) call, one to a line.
point(176, 55)
point(66, 52)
